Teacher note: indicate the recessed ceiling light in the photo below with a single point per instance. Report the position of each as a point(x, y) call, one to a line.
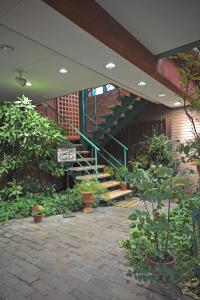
point(161, 95)
point(28, 83)
point(63, 71)
point(177, 103)
point(110, 66)
point(6, 47)
point(141, 83)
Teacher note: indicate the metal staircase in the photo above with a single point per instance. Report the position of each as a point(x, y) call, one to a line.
point(87, 167)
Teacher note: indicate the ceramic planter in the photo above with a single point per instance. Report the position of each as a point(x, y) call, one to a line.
point(166, 264)
point(88, 202)
point(123, 186)
point(38, 219)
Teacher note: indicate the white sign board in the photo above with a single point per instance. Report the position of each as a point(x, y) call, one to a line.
point(66, 154)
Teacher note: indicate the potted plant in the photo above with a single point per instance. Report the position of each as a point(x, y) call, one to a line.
point(89, 189)
point(37, 213)
point(151, 229)
point(121, 176)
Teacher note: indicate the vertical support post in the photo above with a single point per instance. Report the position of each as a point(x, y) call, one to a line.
point(96, 163)
point(125, 158)
point(83, 112)
point(104, 88)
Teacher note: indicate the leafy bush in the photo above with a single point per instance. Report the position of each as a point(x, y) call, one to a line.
point(54, 204)
point(28, 147)
point(180, 243)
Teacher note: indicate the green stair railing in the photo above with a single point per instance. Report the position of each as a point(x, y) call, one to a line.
point(94, 147)
point(124, 148)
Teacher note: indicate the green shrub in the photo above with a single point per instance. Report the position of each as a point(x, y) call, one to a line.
point(54, 204)
point(28, 148)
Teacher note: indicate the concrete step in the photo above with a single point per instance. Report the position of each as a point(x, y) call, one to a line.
point(110, 183)
point(85, 159)
point(93, 176)
point(115, 194)
point(84, 168)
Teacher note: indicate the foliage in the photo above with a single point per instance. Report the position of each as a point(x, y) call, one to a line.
point(152, 230)
point(38, 211)
point(109, 170)
point(158, 149)
point(90, 186)
point(28, 145)
point(180, 244)
point(54, 204)
point(121, 174)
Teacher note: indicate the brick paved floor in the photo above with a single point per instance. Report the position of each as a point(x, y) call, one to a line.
point(67, 259)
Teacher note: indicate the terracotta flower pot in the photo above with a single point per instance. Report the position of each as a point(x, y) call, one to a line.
point(34, 207)
point(123, 186)
point(38, 219)
point(88, 202)
point(168, 263)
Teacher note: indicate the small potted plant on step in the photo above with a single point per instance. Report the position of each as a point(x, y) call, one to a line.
point(38, 213)
point(121, 176)
point(89, 189)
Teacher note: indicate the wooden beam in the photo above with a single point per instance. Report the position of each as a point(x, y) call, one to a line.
point(91, 17)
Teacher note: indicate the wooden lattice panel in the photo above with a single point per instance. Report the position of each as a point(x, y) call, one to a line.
point(68, 107)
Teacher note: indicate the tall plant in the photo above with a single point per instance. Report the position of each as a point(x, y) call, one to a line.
point(28, 145)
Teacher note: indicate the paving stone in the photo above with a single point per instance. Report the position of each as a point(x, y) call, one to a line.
point(71, 259)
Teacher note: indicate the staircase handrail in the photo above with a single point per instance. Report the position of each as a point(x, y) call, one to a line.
point(104, 131)
point(73, 127)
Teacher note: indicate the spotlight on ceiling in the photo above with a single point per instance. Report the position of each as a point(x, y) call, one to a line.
point(178, 103)
point(20, 80)
point(6, 47)
point(62, 71)
point(161, 95)
point(110, 66)
point(141, 83)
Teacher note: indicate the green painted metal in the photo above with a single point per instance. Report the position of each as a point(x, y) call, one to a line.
point(72, 126)
point(96, 163)
point(120, 110)
point(125, 149)
point(105, 132)
point(88, 141)
point(83, 111)
point(130, 115)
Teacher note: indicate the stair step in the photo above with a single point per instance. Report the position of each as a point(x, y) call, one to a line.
point(85, 159)
point(80, 169)
point(115, 194)
point(78, 145)
point(83, 152)
point(93, 176)
point(110, 183)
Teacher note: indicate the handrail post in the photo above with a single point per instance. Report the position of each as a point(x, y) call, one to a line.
point(96, 164)
point(125, 158)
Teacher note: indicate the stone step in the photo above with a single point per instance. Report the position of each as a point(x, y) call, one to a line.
point(86, 168)
point(85, 159)
point(110, 183)
point(115, 194)
point(93, 176)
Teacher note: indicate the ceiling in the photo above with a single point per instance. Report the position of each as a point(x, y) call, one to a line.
point(44, 41)
point(159, 25)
